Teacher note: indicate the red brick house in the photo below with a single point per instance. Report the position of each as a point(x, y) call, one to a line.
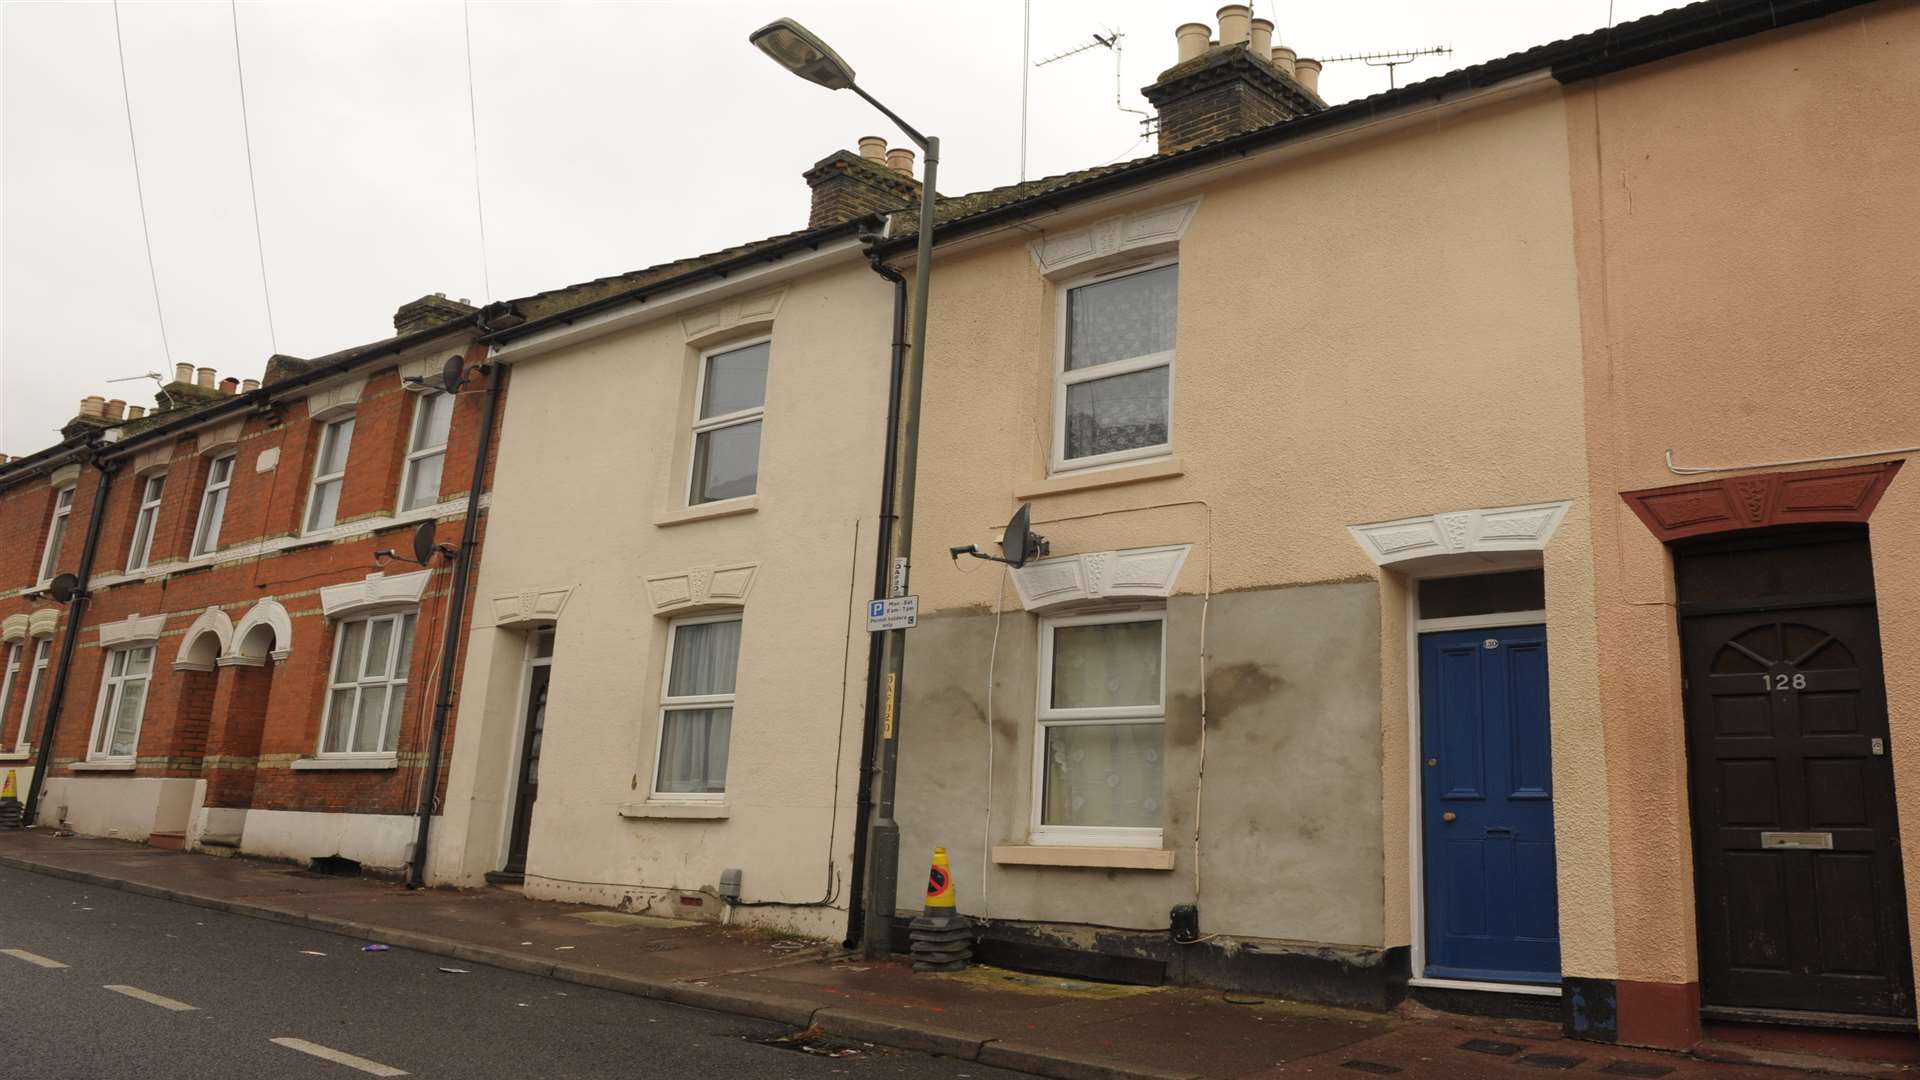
point(249, 672)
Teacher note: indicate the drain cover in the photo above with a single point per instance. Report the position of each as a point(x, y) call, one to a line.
point(1488, 1046)
point(1373, 1067)
point(1552, 1061)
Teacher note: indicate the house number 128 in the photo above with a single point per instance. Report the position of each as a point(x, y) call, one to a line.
point(1795, 681)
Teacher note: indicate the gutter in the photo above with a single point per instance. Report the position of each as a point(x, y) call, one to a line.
point(876, 643)
point(1575, 59)
point(456, 610)
point(76, 615)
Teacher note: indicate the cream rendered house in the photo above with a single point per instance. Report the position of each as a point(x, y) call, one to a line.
point(668, 666)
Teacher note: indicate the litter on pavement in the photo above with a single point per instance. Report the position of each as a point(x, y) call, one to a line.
point(376, 948)
point(456, 971)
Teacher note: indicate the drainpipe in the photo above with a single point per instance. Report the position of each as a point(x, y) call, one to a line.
point(882, 559)
point(462, 566)
point(75, 615)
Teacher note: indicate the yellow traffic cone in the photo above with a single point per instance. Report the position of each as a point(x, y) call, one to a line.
point(942, 937)
point(10, 809)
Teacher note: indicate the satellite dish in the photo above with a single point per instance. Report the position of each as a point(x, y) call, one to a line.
point(1016, 542)
point(451, 371)
point(423, 545)
point(64, 588)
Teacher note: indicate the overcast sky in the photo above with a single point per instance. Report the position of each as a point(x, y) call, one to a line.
point(612, 136)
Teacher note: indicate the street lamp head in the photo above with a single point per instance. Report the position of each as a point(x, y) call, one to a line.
point(795, 48)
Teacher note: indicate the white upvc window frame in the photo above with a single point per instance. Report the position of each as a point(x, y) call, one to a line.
point(393, 680)
point(36, 667)
point(688, 702)
point(112, 690)
point(422, 404)
point(1063, 378)
point(213, 506)
point(63, 498)
point(726, 420)
point(1046, 716)
point(146, 519)
point(320, 479)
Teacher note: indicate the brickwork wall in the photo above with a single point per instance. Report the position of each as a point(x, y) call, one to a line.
point(243, 727)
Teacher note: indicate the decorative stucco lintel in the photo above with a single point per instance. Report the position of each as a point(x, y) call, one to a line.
point(1100, 575)
point(1460, 532)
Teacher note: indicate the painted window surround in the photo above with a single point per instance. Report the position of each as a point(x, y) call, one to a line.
point(734, 323)
point(1074, 257)
point(702, 590)
point(122, 636)
point(1064, 582)
point(1489, 532)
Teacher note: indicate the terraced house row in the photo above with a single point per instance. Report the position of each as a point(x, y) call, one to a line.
point(1478, 561)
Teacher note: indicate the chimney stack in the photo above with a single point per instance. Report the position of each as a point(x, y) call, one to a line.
point(183, 373)
point(1307, 73)
point(848, 185)
point(432, 310)
point(135, 412)
point(1239, 83)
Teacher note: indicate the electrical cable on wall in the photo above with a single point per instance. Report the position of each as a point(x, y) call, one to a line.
point(246, 133)
point(139, 189)
point(986, 837)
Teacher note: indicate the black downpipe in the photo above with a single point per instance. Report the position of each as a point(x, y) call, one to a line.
point(75, 614)
point(882, 558)
point(462, 568)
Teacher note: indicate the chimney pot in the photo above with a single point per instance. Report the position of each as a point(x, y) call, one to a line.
point(873, 148)
point(900, 160)
point(135, 412)
point(1307, 73)
point(183, 373)
point(1262, 37)
point(1192, 39)
point(93, 405)
point(248, 386)
point(1235, 24)
point(229, 384)
point(116, 409)
point(204, 378)
point(1283, 59)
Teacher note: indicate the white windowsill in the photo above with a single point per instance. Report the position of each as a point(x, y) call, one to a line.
point(17, 755)
point(1103, 476)
point(102, 766)
point(1108, 858)
point(691, 809)
point(324, 764)
point(745, 504)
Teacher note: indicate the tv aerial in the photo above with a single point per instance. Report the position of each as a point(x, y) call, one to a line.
point(1112, 40)
point(424, 548)
point(1390, 60)
point(1018, 542)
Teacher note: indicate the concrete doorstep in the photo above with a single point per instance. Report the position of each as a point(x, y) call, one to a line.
point(799, 1012)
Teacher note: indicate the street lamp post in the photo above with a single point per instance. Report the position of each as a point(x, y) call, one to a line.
point(795, 48)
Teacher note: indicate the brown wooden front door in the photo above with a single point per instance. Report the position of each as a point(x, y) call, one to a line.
point(1797, 850)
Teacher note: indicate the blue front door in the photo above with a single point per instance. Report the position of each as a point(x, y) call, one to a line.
point(1487, 806)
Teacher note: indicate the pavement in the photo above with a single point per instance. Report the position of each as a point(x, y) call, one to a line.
point(518, 954)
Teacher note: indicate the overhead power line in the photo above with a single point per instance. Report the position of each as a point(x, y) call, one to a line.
point(473, 124)
point(246, 132)
point(139, 189)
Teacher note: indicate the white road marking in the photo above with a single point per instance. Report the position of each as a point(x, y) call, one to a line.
point(31, 958)
point(151, 998)
point(338, 1057)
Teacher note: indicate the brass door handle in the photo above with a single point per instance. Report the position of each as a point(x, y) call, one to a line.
point(1448, 817)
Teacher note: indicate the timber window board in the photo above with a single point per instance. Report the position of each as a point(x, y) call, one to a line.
point(1098, 858)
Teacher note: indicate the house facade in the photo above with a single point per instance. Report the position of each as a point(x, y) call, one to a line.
point(250, 672)
point(667, 677)
point(1350, 666)
point(1752, 398)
